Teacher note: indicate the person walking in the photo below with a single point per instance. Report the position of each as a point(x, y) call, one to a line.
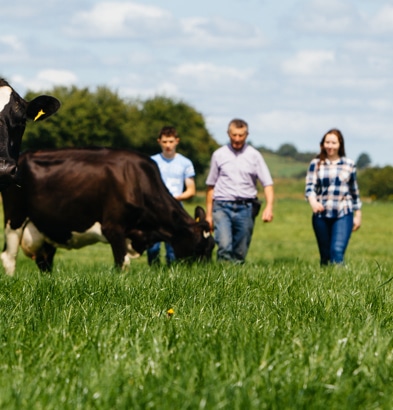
point(333, 194)
point(178, 174)
point(231, 195)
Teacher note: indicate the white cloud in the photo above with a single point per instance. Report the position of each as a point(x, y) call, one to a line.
point(46, 79)
point(12, 50)
point(308, 62)
point(380, 104)
point(217, 33)
point(326, 17)
point(286, 122)
point(208, 73)
point(130, 20)
point(12, 42)
point(383, 20)
point(56, 77)
point(121, 20)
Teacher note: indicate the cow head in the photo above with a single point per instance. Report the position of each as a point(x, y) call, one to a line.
point(14, 113)
point(196, 243)
point(205, 241)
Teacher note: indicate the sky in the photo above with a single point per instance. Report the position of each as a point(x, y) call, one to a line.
point(293, 69)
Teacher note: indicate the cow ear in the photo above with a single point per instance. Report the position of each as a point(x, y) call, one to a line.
point(42, 107)
point(200, 214)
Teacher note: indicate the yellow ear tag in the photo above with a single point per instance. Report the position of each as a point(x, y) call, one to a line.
point(197, 220)
point(41, 113)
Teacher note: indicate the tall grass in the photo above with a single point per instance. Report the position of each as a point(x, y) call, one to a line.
point(276, 333)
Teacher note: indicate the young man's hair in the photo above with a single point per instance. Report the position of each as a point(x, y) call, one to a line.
point(168, 131)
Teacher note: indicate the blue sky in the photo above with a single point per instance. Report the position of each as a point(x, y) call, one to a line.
point(292, 68)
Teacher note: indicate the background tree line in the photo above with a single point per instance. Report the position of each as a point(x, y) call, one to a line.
point(102, 118)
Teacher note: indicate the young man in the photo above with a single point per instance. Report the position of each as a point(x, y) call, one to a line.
point(178, 174)
point(231, 192)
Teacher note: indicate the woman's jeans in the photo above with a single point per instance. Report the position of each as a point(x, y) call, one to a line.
point(332, 236)
point(233, 227)
point(153, 254)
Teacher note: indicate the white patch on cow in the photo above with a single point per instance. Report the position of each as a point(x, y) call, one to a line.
point(32, 241)
point(5, 96)
point(8, 256)
point(89, 237)
point(131, 252)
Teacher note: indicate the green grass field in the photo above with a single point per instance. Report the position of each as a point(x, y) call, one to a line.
point(276, 333)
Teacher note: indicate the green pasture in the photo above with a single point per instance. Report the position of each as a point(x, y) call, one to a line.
point(285, 167)
point(276, 333)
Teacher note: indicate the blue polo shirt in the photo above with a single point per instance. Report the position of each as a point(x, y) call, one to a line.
point(174, 171)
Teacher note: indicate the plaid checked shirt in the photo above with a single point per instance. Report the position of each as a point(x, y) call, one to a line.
point(334, 185)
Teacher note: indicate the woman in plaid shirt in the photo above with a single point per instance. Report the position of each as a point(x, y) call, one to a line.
point(333, 194)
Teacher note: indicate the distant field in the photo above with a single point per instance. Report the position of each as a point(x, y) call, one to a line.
point(285, 167)
point(276, 333)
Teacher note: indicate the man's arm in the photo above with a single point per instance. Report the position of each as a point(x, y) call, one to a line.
point(267, 214)
point(189, 192)
point(209, 205)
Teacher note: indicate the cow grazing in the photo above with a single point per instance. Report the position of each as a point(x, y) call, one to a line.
point(14, 112)
point(73, 197)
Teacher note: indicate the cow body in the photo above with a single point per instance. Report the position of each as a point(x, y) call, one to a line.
point(74, 197)
point(14, 113)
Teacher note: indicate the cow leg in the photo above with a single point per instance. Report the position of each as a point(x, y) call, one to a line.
point(44, 258)
point(11, 247)
point(118, 243)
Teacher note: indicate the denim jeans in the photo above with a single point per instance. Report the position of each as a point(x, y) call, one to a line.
point(332, 235)
point(153, 254)
point(233, 227)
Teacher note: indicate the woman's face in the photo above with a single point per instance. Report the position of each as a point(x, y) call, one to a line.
point(331, 145)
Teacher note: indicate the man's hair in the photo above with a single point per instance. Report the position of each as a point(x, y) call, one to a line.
point(168, 131)
point(238, 123)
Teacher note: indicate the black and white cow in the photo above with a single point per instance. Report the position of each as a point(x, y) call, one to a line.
point(73, 197)
point(14, 112)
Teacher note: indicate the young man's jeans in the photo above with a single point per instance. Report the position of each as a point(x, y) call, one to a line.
point(153, 254)
point(332, 236)
point(233, 226)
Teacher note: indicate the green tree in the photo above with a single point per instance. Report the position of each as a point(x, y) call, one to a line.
point(195, 141)
point(287, 150)
point(363, 161)
point(102, 118)
point(377, 183)
point(84, 119)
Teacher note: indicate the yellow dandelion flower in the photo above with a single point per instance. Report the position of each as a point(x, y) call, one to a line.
point(170, 312)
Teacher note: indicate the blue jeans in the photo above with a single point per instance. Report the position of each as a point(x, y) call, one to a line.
point(153, 254)
point(233, 227)
point(332, 235)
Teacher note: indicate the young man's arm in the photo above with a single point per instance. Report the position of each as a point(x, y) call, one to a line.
point(190, 190)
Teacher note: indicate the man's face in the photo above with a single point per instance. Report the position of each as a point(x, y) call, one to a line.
point(237, 136)
point(168, 145)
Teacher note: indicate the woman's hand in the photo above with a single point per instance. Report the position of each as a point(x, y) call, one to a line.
point(316, 206)
point(357, 220)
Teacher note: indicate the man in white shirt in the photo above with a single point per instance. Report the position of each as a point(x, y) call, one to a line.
point(178, 174)
point(231, 196)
